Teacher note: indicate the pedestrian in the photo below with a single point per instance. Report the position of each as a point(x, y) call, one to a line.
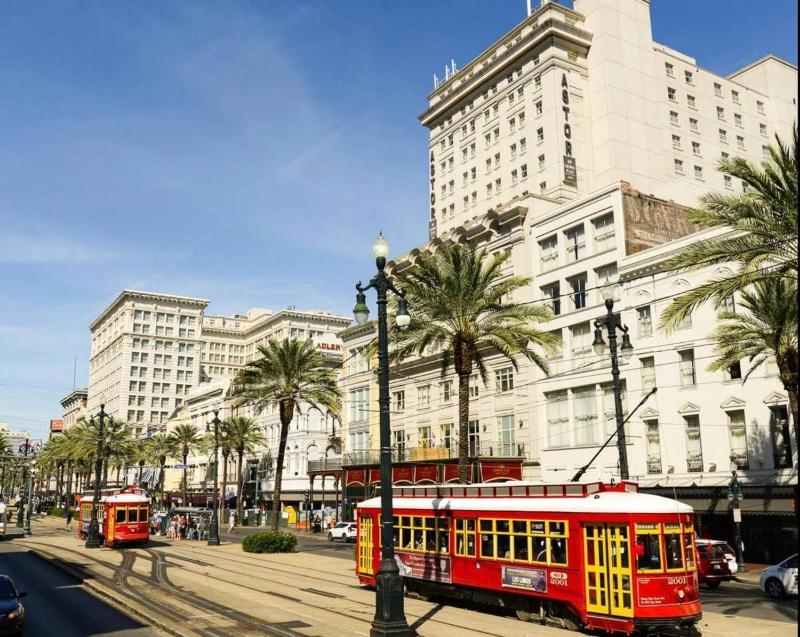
point(231, 521)
point(69, 520)
point(244, 518)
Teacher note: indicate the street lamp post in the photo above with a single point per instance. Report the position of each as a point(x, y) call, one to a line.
point(735, 496)
point(612, 323)
point(390, 618)
point(213, 526)
point(93, 534)
point(26, 530)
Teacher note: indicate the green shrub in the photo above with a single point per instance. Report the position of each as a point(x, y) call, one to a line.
point(59, 513)
point(269, 542)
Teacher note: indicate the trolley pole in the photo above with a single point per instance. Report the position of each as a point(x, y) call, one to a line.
point(93, 535)
point(213, 526)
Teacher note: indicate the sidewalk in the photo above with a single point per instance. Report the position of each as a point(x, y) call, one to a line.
point(187, 588)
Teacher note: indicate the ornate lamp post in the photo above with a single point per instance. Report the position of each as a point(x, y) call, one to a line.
point(213, 526)
point(612, 323)
point(735, 496)
point(390, 618)
point(93, 534)
point(26, 448)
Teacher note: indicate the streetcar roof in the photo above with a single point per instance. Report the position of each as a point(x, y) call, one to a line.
point(133, 498)
point(603, 502)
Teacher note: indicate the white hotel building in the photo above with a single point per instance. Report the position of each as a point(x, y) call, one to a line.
point(575, 142)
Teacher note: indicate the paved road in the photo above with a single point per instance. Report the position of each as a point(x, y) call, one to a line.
point(746, 600)
point(57, 606)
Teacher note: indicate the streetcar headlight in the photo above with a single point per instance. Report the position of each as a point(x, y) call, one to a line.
point(681, 594)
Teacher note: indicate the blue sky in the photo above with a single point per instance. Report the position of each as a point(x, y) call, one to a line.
point(244, 152)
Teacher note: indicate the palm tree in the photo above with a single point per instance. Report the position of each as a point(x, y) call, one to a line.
point(160, 447)
point(243, 435)
point(289, 373)
point(766, 330)
point(764, 221)
point(186, 438)
point(460, 306)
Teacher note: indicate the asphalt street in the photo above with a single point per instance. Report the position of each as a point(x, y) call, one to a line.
point(57, 606)
point(746, 600)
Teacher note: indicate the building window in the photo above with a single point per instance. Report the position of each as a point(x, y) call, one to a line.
point(539, 107)
point(693, 125)
point(644, 321)
point(424, 396)
point(735, 97)
point(604, 233)
point(399, 444)
point(425, 436)
point(673, 118)
point(522, 145)
point(610, 410)
point(728, 181)
point(678, 166)
point(537, 81)
point(399, 400)
point(723, 135)
point(740, 141)
point(653, 446)
point(670, 69)
point(586, 417)
point(676, 142)
point(720, 112)
point(505, 431)
point(687, 371)
point(689, 77)
point(540, 135)
point(691, 102)
point(648, 373)
point(717, 89)
point(524, 171)
point(737, 119)
point(474, 438)
point(779, 435)
point(696, 148)
point(765, 152)
point(447, 436)
point(577, 285)
point(737, 428)
point(513, 149)
point(575, 244)
point(473, 386)
point(541, 162)
point(671, 94)
point(549, 252)
point(542, 186)
point(446, 390)
point(552, 295)
point(760, 107)
point(762, 129)
point(504, 379)
point(557, 419)
point(698, 173)
point(581, 343)
point(694, 446)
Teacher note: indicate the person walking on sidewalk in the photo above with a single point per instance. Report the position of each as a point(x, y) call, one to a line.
point(69, 520)
point(231, 521)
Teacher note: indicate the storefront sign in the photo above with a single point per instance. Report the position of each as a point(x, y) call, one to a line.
point(403, 475)
point(491, 471)
point(429, 567)
point(451, 472)
point(355, 476)
point(426, 473)
point(529, 579)
point(570, 172)
point(374, 476)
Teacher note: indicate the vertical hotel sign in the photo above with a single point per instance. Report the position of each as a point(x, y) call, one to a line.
point(570, 171)
point(432, 222)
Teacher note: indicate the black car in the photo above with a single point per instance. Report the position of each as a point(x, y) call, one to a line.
point(12, 612)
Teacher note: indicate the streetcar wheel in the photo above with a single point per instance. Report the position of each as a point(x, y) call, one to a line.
point(712, 585)
point(524, 615)
point(774, 588)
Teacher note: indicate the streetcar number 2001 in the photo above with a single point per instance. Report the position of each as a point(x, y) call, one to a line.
point(671, 581)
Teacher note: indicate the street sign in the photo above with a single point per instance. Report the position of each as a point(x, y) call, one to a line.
point(180, 466)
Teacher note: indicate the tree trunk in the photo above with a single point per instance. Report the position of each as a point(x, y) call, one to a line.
point(185, 470)
point(139, 477)
point(239, 495)
point(788, 370)
point(162, 464)
point(68, 490)
point(286, 414)
point(462, 359)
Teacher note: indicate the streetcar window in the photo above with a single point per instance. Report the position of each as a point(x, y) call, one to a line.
point(424, 534)
point(487, 546)
point(540, 549)
point(674, 550)
point(465, 537)
point(648, 552)
point(520, 526)
point(520, 549)
point(558, 551)
point(689, 544)
point(120, 516)
point(525, 541)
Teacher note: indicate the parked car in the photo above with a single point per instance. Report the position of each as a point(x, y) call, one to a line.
point(781, 579)
point(730, 554)
point(712, 566)
point(344, 531)
point(12, 612)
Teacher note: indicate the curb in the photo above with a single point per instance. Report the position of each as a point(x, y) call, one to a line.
point(101, 593)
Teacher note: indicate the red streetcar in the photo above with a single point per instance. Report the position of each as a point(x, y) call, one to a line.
point(584, 556)
point(123, 516)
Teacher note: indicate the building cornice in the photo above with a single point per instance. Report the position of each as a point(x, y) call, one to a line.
point(335, 320)
point(356, 331)
point(75, 393)
point(766, 58)
point(148, 296)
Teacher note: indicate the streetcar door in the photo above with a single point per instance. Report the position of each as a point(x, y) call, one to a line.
point(607, 563)
point(366, 565)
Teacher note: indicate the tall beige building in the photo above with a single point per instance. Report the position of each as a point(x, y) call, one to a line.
point(149, 350)
point(570, 101)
